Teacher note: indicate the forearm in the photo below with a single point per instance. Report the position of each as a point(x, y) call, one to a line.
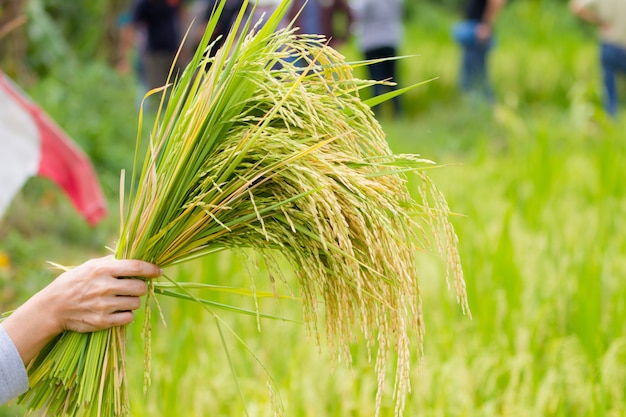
point(29, 331)
point(13, 377)
point(491, 12)
point(584, 13)
point(31, 328)
point(126, 43)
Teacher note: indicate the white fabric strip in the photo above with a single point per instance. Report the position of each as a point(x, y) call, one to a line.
point(20, 150)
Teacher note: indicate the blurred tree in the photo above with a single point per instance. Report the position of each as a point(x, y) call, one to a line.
point(12, 35)
point(90, 27)
point(55, 31)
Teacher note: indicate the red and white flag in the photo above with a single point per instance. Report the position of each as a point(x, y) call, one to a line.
point(31, 144)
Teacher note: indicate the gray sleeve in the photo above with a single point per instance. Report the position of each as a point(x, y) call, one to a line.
point(13, 376)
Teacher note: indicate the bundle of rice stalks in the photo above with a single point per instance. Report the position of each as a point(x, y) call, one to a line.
point(267, 145)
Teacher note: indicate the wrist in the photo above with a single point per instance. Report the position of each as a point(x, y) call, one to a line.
point(483, 31)
point(31, 327)
point(45, 309)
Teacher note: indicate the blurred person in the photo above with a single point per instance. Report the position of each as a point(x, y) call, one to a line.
point(336, 21)
point(610, 17)
point(161, 22)
point(257, 11)
point(263, 9)
point(130, 37)
point(379, 36)
point(475, 35)
point(96, 295)
point(307, 16)
point(224, 23)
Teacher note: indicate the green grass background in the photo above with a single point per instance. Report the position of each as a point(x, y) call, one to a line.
point(537, 182)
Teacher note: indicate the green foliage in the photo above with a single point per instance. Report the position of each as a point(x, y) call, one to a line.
point(47, 45)
point(98, 109)
point(58, 31)
point(543, 274)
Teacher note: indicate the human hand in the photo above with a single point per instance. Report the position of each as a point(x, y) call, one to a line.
point(483, 32)
point(93, 296)
point(97, 294)
point(122, 66)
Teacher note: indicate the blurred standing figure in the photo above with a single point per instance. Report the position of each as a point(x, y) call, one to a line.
point(224, 22)
point(336, 20)
point(610, 17)
point(261, 11)
point(161, 20)
point(476, 37)
point(307, 15)
point(379, 35)
point(129, 37)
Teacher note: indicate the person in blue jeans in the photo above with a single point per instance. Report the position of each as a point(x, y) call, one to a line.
point(475, 35)
point(160, 21)
point(610, 17)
